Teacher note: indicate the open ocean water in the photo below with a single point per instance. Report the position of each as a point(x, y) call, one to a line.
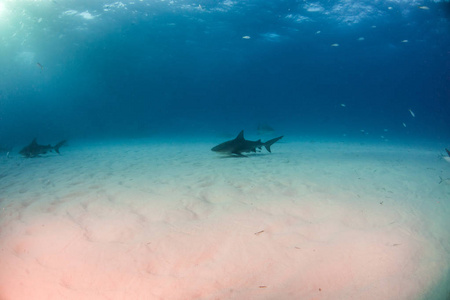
point(359, 90)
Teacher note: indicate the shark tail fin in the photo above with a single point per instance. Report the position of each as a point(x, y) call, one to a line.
point(448, 151)
point(57, 146)
point(271, 142)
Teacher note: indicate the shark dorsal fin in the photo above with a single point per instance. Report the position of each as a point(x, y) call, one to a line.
point(34, 142)
point(240, 135)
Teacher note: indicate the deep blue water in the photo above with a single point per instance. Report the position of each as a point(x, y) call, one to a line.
point(93, 69)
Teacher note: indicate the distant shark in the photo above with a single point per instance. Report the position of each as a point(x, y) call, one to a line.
point(34, 149)
point(240, 145)
point(4, 149)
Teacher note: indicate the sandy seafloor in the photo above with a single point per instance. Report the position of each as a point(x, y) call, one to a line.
point(173, 220)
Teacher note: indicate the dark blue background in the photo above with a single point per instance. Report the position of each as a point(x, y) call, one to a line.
point(160, 69)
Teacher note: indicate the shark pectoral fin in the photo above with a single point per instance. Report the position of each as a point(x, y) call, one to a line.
point(239, 154)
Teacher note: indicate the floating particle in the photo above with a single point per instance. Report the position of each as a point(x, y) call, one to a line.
point(390, 7)
point(405, 41)
point(361, 39)
point(412, 113)
point(343, 105)
point(424, 7)
point(246, 37)
point(374, 26)
point(334, 45)
point(404, 125)
point(318, 31)
point(385, 130)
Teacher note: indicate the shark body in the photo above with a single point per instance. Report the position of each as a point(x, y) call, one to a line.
point(34, 149)
point(240, 145)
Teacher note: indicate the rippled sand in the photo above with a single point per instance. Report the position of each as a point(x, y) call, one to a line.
point(148, 220)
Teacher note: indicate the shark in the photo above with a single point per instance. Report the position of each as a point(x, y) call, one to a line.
point(240, 145)
point(5, 149)
point(34, 149)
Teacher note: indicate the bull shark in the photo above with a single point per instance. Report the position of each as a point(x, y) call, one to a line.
point(4, 149)
point(34, 149)
point(240, 145)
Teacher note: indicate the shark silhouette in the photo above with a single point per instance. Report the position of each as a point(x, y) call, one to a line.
point(240, 145)
point(34, 149)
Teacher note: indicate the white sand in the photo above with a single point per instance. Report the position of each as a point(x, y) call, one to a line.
point(176, 221)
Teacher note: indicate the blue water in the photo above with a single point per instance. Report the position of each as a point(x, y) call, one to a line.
point(94, 69)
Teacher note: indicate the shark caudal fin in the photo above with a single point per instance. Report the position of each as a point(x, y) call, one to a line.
point(271, 142)
point(57, 146)
point(448, 151)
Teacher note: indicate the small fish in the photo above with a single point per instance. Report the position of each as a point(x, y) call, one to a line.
point(246, 37)
point(318, 31)
point(361, 39)
point(343, 105)
point(424, 7)
point(405, 41)
point(334, 45)
point(40, 66)
point(404, 125)
point(412, 113)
